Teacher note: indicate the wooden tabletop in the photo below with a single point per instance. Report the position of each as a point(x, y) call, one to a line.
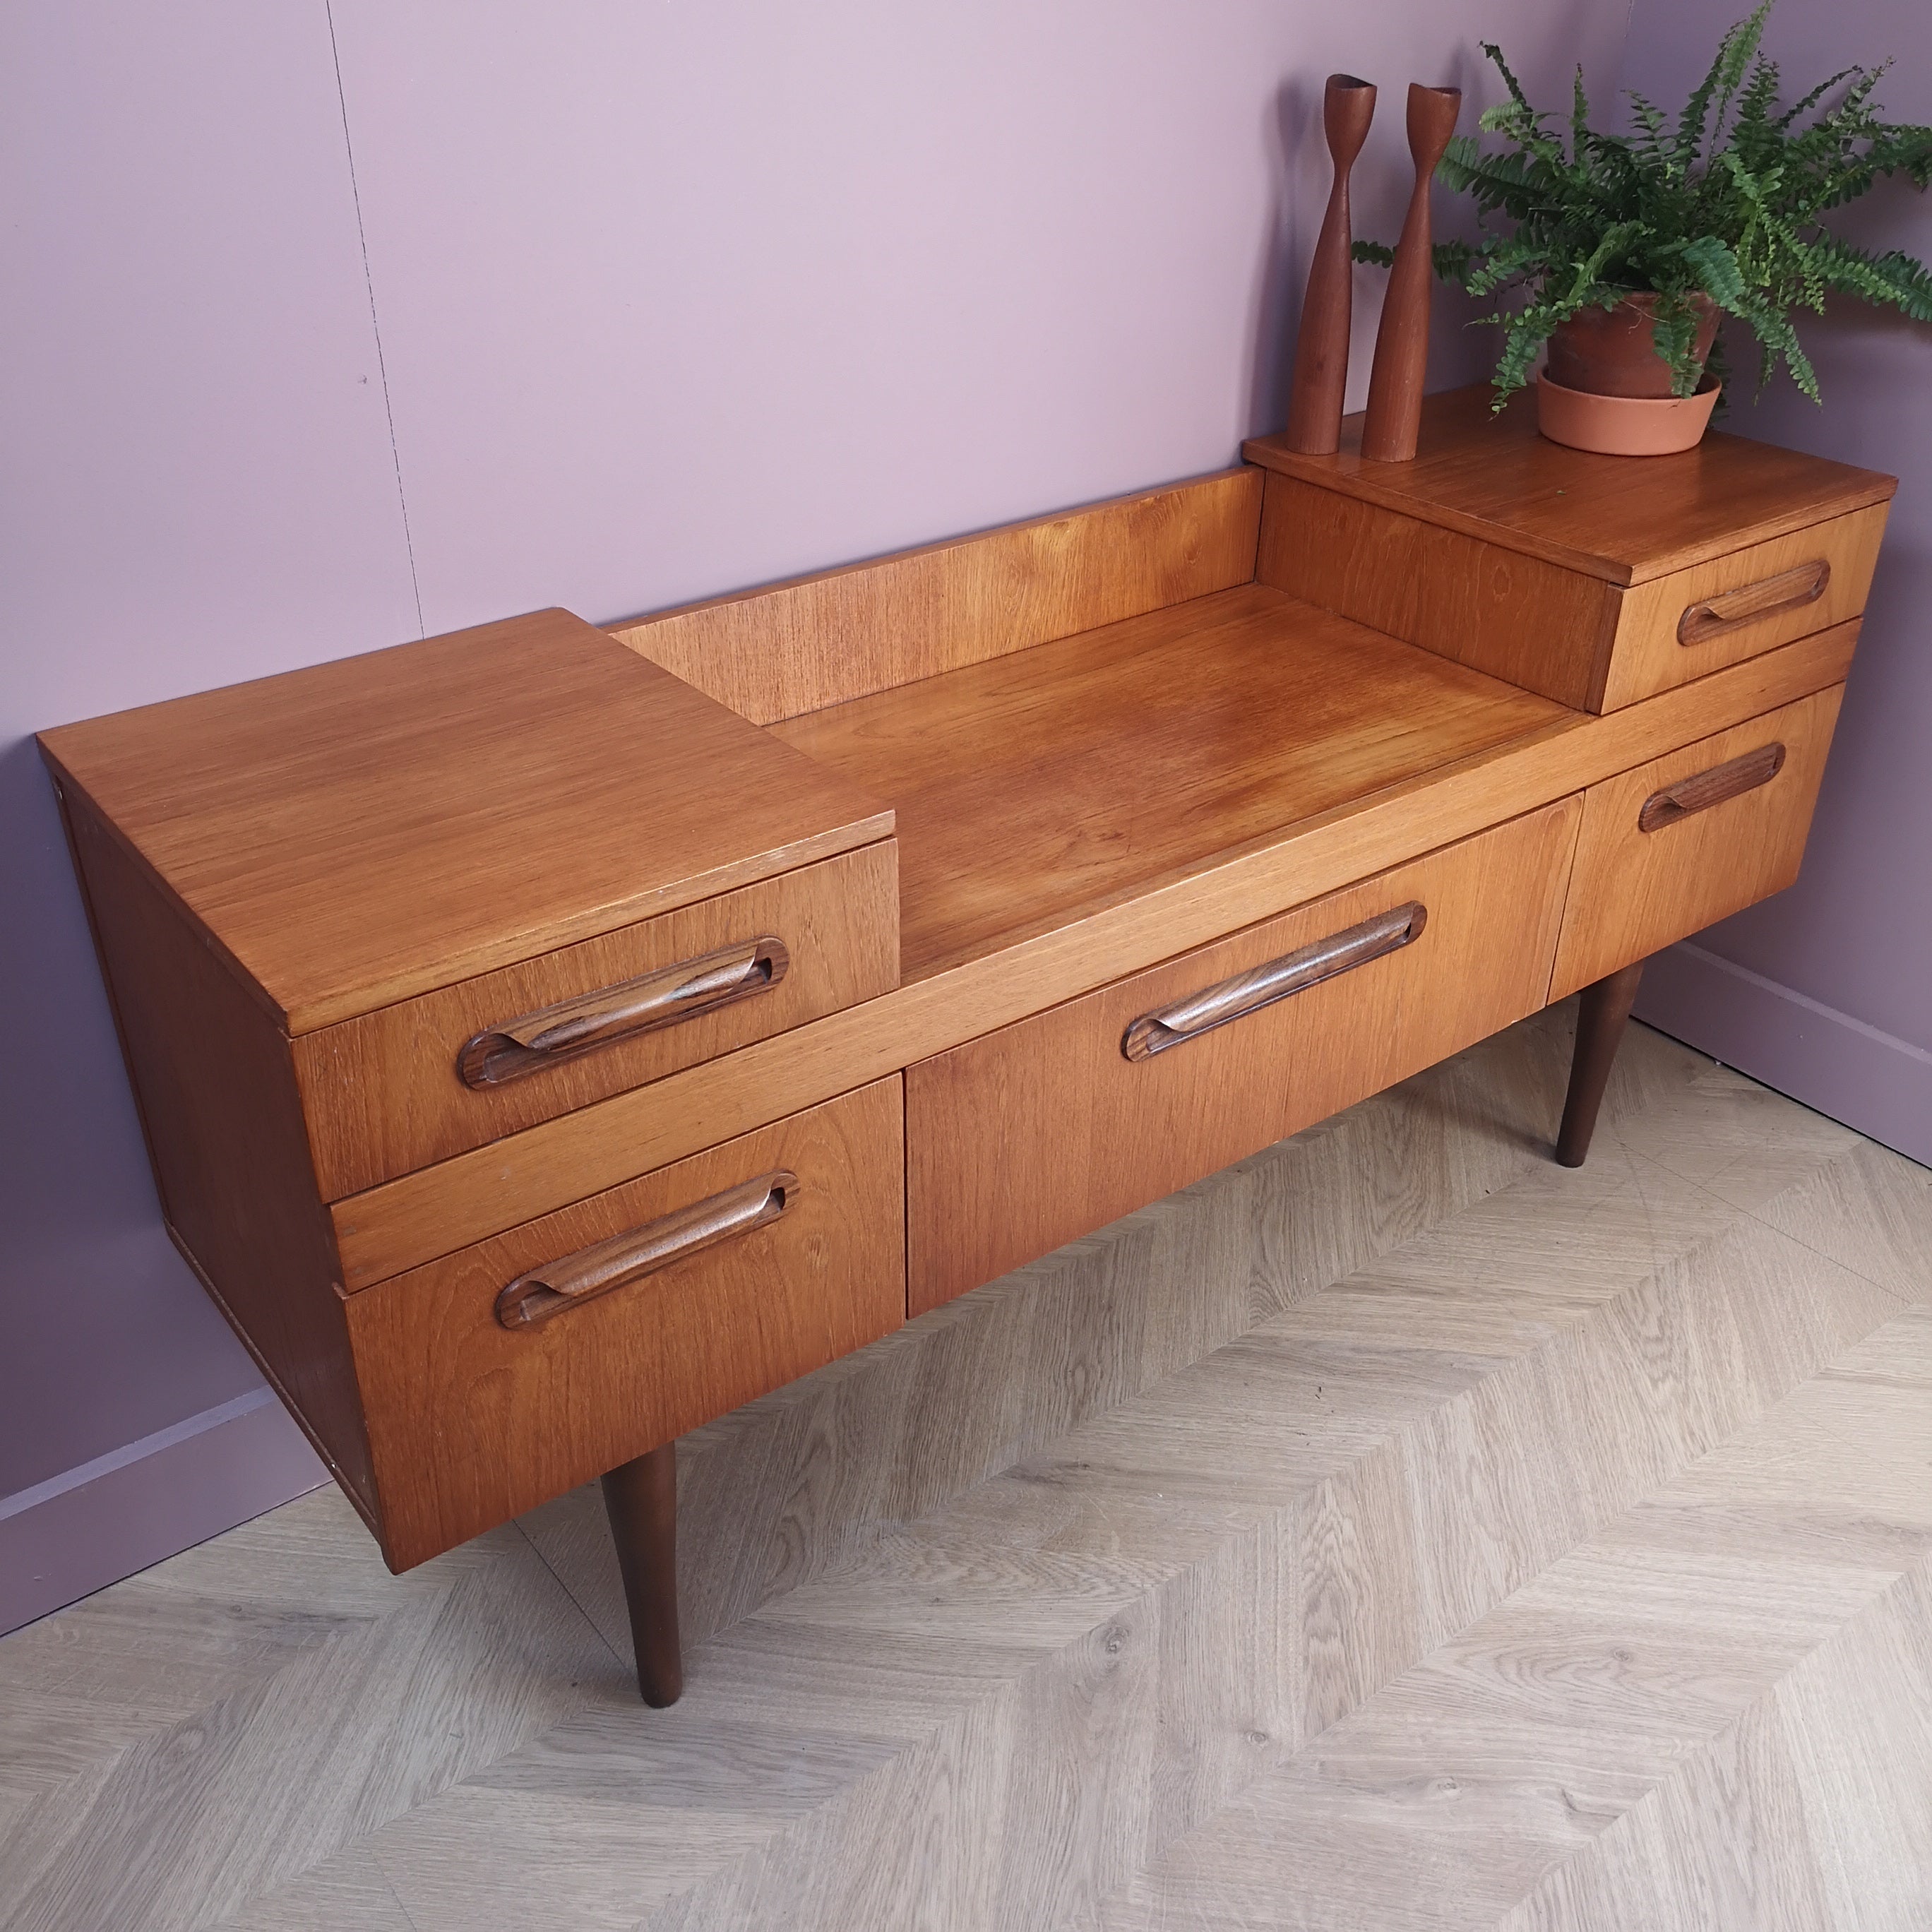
point(1034, 789)
point(356, 833)
point(1621, 518)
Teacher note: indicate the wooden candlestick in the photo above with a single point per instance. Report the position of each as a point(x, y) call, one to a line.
point(1321, 347)
point(1401, 343)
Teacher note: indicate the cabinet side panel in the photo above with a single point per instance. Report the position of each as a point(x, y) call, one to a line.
point(1534, 624)
point(213, 1079)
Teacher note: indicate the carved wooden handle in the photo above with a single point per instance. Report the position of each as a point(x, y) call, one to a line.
point(1294, 972)
point(1712, 787)
point(533, 1041)
point(1751, 603)
point(581, 1277)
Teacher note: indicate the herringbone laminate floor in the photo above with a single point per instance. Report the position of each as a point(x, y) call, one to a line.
point(1396, 1531)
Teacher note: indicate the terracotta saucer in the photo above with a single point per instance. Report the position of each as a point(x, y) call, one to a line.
point(1624, 425)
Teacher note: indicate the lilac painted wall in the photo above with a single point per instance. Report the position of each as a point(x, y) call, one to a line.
point(659, 300)
point(1826, 991)
point(198, 487)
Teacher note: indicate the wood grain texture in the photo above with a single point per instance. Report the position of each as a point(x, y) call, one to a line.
point(1177, 1022)
point(1320, 370)
point(640, 1500)
point(1034, 790)
point(277, 1677)
point(1808, 1812)
point(1563, 632)
point(557, 1287)
point(1032, 1135)
point(382, 1093)
point(533, 1043)
point(418, 1216)
point(216, 1090)
point(968, 1661)
point(1537, 624)
point(470, 1423)
point(1752, 603)
point(1650, 654)
point(818, 641)
point(1393, 418)
point(1670, 804)
point(358, 832)
point(1678, 1725)
point(1634, 891)
point(787, 1487)
point(1626, 522)
point(1603, 1011)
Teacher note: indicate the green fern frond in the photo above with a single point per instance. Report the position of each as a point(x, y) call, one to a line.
point(1804, 106)
point(1893, 279)
point(1726, 202)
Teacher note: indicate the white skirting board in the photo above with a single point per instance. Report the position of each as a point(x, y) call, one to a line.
point(1872, 1081)
point(91, 1526)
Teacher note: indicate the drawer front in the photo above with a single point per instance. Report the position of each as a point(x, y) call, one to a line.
point(504, 1374)
point(1669, 848)
point(392, 1091)
point(1052, 1127)
point(1680, 627)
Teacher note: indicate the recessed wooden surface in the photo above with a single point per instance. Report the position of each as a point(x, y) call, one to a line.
point(360, 832)
point(1029, 1137)
point(381, 1092)
point(821, 640)
point(1620, 518)
point(1036, 789)
point(1635, 890)
point(421, 1215)
point(1396, 1528)
point(470, 1422)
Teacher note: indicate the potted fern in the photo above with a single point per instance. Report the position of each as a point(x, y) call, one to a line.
point(1628, 251)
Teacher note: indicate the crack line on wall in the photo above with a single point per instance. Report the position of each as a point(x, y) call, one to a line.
point(375, 325)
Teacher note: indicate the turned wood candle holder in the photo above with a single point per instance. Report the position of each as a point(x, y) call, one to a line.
point(1402, 342)
point(1321, 346)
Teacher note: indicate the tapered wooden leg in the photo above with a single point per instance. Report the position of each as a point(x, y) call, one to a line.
point(640, 1498)
point(1601, 1016)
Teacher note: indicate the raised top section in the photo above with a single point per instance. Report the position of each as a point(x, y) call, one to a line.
point(1035, 789)
point(358, 832)
point(1624, 519)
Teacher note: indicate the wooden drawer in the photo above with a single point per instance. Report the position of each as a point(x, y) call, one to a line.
point(1563, 632)
point(474, 1415)
point(1691, 838)
point(1031, 1136)
point(386, 1093)
point(1692, 621)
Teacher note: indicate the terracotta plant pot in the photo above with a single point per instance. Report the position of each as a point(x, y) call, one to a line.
point(1612, 352)
point(1624, 425)
point(1607, 389)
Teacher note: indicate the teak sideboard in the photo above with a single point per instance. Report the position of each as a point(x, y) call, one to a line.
point(549, 1038)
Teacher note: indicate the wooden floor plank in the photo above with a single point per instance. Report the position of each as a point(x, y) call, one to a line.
point(1659, 1730)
